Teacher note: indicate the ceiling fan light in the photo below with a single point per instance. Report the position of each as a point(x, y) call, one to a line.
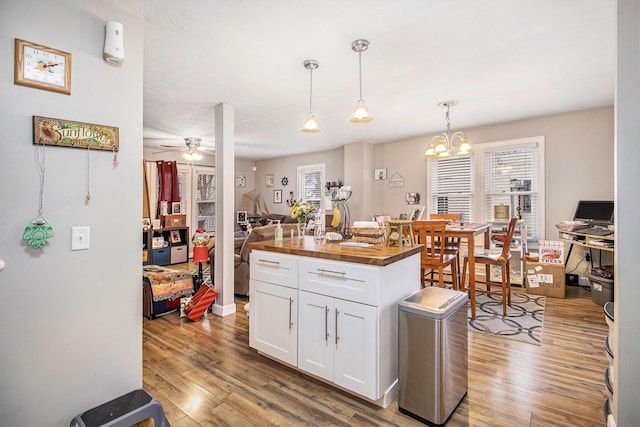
point(310, 124)
point(430, 151)
point(360, 113)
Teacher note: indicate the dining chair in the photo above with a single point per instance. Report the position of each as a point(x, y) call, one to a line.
point(451, 244)
point(433, 257)
point(489, 258)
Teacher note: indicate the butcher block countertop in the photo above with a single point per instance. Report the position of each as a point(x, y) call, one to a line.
point(378, 254)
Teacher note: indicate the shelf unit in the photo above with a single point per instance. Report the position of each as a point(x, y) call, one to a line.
point(176, 251)
point(204, 204)
point(519, 247)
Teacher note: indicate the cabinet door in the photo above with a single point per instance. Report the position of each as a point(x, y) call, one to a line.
point(356, 349)
point(273, 321)
point(316, 334)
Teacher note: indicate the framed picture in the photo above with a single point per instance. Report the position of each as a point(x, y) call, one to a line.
point(416, 215)
point(176, 207)
point(412, 198)
point(175, 236)
point(277, 196)
point(241, 180)
point(380, 174)
point(146, 224)
point(241, 217)
point(164, 207)
point(270, 180)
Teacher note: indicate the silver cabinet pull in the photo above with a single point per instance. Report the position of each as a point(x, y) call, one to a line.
point(337, 338)
point(266, 261)
point(322, 271)
point(326, 323)
point(290, 308)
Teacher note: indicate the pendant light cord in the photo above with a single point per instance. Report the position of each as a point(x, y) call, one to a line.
point(310, 88)
point(360, 71)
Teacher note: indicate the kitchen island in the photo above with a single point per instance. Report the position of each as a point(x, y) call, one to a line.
point(331, 310)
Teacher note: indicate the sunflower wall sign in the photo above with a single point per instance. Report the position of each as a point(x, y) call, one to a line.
point(67, 133)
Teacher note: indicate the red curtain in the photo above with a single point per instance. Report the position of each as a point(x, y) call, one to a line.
point(168, 185)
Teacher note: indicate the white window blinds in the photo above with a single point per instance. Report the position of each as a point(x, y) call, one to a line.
point(452, 186)
point(310, 183)
point(512, 179)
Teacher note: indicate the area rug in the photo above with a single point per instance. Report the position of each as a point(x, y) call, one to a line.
point(523, 322)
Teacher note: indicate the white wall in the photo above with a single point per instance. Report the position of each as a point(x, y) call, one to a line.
point(71, 335)
point(287, 166)
point(579, 157)
point(627, 173)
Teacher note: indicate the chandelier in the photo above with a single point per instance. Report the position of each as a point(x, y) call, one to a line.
point(445, 144)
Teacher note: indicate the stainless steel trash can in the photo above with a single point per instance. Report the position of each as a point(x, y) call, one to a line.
point(432, 354)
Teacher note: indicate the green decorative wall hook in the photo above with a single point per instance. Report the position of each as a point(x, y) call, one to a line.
point(37, 232)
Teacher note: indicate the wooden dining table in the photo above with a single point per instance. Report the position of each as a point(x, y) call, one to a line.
point(469, 231)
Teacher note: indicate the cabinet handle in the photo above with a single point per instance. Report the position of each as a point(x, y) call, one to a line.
point(337, 338)
point(323, 271)
point(326, 323)
point(290, 307)
point(266, 261)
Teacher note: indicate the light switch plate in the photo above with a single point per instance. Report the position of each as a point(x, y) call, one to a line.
point(79, 238)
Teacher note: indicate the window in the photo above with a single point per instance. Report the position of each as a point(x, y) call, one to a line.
point(452, 186)
point(310, 183)
point(513, 177)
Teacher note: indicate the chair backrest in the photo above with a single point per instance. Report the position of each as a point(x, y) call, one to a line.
point(506, 246)
point(429, 234)
point(447, 216)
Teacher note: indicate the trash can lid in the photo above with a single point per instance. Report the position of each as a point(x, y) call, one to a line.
point(433, 302)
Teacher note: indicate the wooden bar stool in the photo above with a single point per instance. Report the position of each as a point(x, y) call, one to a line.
point(399, 231)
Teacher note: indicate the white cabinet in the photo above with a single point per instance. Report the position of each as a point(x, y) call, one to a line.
point(335, 320)
point(273, 323)
point(337, 342)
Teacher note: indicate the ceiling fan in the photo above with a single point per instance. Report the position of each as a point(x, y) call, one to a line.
point(193, 150)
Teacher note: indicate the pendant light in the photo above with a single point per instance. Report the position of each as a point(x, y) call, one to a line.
point(443, 145)
point(360, 112)
point(310, 124)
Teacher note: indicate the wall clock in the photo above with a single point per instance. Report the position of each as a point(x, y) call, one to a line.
point(42, 67)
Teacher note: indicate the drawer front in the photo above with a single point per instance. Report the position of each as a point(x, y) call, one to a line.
point(179, 254)
point(344, 280)
point(270, 267)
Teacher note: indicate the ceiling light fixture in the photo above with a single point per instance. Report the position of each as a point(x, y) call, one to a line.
point(310, 124)
point(192, 152)
point(360, 112)
point(443, 145)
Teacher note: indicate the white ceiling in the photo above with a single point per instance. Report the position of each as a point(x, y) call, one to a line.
point(502, 59)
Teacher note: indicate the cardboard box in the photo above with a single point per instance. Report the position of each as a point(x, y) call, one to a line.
point(545, 279)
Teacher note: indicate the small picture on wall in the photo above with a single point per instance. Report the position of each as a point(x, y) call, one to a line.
point(277, 196)
point(412, 198)
point(176, 208)
point(146, 224)
point(270, 180)
point(380, 174)
point(416, 215)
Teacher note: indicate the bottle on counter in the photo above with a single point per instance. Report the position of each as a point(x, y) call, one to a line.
point(319, 229)
point(278, 232)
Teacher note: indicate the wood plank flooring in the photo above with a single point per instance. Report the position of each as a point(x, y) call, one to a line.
point(205, 374)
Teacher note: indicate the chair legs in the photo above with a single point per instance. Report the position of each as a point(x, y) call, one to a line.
point(505, 292)
point(455, 284)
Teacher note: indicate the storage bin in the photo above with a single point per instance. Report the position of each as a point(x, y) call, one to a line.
point(601, 289)
point(161, 256)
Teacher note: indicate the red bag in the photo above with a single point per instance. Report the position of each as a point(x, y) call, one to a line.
point(200, 301)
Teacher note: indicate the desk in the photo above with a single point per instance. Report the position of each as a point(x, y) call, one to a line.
point(591, 241)
point(469, 232)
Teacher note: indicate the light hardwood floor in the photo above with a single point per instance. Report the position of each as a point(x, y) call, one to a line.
point(205, 374)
